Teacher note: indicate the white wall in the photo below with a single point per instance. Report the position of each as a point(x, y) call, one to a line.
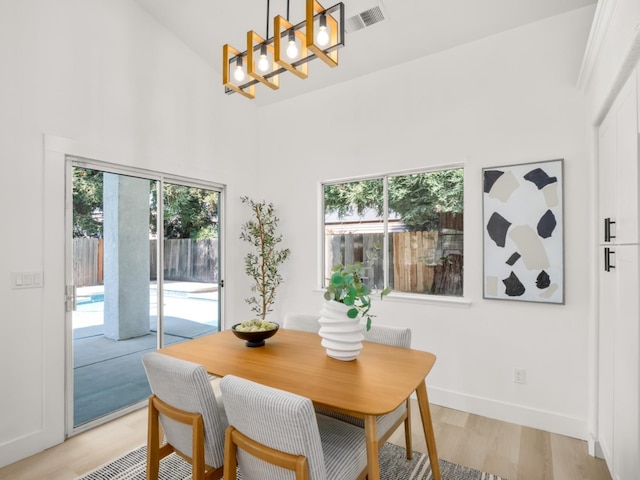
point(105, 75)
point(510, 98)
point(102, 73)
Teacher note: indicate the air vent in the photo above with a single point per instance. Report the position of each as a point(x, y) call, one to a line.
point(364, 19)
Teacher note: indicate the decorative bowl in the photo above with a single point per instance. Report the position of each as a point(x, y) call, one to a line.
point(255, 339)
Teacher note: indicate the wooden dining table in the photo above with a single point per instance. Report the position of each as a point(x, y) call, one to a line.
point(377, 382)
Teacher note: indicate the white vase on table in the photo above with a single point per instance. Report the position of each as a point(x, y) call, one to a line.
point(341, 336)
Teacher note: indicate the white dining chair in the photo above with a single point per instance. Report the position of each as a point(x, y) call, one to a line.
point(388, 423)
point(302, 322)
point(276, 435)
point(192, 417)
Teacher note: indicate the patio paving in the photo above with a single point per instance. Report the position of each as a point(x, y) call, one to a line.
point(108, 374)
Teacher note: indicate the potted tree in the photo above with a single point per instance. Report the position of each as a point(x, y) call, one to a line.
point(262, 264)
point(347, 301)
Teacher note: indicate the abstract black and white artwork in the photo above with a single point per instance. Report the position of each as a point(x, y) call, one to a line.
point(523, 232)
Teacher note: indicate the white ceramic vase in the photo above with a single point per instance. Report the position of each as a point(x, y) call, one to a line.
point(341, 336)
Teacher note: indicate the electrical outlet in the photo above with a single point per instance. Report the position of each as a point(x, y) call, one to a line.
point(519, 375)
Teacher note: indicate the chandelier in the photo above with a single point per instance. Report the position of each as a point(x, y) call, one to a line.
point(290, 49)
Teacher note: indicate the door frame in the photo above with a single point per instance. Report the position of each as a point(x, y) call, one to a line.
point(60, 155)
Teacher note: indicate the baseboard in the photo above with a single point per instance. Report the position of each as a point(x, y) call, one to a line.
point(598, 452)
point(509, 412)
point(23, 447)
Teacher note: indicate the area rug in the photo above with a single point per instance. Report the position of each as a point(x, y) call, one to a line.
point(393, 466)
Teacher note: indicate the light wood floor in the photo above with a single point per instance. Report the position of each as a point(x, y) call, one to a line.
point(505, 449)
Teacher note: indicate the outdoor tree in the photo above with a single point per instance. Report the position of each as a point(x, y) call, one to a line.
point(344, 197)
point(420, 198)
point(87, 202)
point(189, 212)
point(417, 198)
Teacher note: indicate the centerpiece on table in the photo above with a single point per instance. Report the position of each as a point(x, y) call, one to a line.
point(261, 265)
point(346, 303)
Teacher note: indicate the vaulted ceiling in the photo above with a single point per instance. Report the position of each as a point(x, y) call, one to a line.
point(410, 29)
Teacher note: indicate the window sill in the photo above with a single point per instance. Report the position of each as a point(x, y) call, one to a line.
point(440, 300)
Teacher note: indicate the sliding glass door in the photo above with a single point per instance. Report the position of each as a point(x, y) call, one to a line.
point(190, 272)
point(144, 273)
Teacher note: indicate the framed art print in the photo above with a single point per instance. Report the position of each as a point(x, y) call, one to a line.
point(523, 234)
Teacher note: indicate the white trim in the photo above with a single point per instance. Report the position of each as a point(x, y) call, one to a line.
point(51, 427)
point(594, 303)
point(107, 418)
point(398, 296)
point(629, 64)
point(597, 449)
point(424, 298)
point(509, 412)
point(421, 298)
point(68, 277)
point(320, 245)
point(60, 152)
point(599, 27)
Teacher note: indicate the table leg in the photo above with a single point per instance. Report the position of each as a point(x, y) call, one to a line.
point(371, 436)
point(427, 425)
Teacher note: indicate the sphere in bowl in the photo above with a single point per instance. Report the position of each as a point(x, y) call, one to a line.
point(255, 332)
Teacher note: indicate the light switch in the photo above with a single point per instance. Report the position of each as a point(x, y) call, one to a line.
point(20, 280)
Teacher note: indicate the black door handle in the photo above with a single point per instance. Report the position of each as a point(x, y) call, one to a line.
point(607, 259)
point(607, 229)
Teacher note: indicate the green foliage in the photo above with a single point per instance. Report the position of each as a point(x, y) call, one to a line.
point(346, 286)
point(342, 198)
point(262, 264)
point(417, 198)
point(189, 212)
point(87, 202)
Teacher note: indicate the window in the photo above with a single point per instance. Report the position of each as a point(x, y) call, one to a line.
point(406, 229)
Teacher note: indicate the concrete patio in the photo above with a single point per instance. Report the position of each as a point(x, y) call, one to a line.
point(108, 374)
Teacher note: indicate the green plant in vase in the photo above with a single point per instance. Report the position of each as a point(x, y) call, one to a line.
point(346, 286)
point(263, 262)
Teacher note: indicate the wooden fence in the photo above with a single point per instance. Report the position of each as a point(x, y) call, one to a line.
point(413, 261)
point(188, 260)
point(421, 262)
point(184, 259)
point(88, 256)
point(351, 248)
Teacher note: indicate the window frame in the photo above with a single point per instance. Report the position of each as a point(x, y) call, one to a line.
point(407, 297)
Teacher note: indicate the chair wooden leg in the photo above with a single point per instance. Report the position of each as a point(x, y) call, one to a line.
point(197, 447)
point(407, 432)
point(230, 459)
point(153, 442)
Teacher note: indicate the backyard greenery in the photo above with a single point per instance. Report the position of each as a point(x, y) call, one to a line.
point(416, 198)
point(189, 212)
